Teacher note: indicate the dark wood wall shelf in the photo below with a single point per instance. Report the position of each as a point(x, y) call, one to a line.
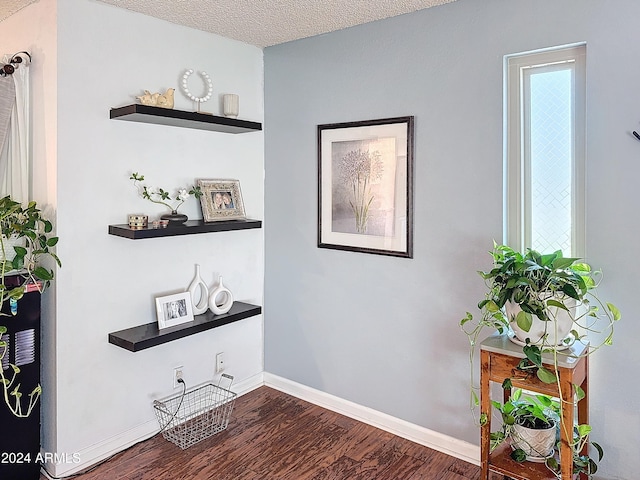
point(181, 118)
point(190, 227)
point(149, 335)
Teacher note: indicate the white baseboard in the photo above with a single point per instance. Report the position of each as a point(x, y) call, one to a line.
point(249, 384)
point(89, 456)
point(423, 436)
point(96, 453)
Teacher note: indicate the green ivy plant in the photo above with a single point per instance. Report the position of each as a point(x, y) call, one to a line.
point(537, 411)
point(11, 387)
point(29, 225)
point(27, 271)
point(537, 283)
point(542, 411)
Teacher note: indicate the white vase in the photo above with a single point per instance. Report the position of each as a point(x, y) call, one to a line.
point(537, 443)
point(220, 299)
point(551, 333)
point(199, 293)
point(230, 104)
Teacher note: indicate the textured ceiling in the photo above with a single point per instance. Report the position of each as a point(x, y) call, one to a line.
point(9, 7)
point(261, 22)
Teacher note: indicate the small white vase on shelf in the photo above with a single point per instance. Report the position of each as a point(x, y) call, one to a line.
point(230, 104)
point(199, 293)
point(220, 299)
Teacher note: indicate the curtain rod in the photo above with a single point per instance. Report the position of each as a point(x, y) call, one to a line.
point(15, 61)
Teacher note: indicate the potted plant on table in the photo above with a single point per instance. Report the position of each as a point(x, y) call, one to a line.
point(26, 269)
point(530, 423)
point(543, 302)
point(25, 241)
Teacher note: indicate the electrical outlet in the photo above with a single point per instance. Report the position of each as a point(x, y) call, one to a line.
point(177, 375)
point(220, 362)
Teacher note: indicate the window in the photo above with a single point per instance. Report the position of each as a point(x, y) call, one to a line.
point(545, 150)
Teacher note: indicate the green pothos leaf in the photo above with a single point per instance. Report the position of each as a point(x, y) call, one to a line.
point(614, 311)
point(546, 376)
point(466, 319)
point(517, 394)
point(555, 303)
point(518, 455)
point(599, 449)
point(43, 273)
point(524, 320)
point(483, 419)
point(534, 354)
point(583, 430)
point(579, 392)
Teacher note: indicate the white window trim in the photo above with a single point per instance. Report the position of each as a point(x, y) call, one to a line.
point(516, 174)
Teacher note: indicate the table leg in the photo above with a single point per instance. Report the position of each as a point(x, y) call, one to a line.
point(566, 430)
point(485, 408)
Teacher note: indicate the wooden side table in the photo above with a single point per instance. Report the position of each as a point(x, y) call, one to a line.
point(499, 358)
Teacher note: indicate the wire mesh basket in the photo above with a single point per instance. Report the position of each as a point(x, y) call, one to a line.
point(188, 418)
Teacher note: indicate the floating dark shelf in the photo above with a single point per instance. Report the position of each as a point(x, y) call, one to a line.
point(188, 228)
point(146, 336)
point(180, 118)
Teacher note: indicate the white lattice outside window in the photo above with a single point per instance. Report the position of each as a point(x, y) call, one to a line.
point(545, 150)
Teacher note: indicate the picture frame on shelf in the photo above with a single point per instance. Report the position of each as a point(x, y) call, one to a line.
point(365, 186)
point(221, 200)
point(172, 310)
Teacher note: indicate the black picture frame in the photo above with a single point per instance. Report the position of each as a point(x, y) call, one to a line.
point(365, 186)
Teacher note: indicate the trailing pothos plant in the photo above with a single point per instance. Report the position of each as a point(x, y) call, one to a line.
point(542, 411)
point(541, 285)
point(26, 243)
point(535, 412)
point(11, 393)
point(34, 232)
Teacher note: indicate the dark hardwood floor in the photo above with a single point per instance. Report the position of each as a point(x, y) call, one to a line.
point(273, 436)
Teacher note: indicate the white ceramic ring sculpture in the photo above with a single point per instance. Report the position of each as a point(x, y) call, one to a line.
point(185, 87)
point(220, 299)
point(199, 293)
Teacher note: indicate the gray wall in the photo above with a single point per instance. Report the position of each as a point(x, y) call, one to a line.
point(382, 331)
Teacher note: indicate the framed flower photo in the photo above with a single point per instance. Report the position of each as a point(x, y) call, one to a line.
point(365, 186)
point(221, 200)
point(173, 310)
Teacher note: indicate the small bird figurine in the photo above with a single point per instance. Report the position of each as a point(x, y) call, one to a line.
point(166, 100)
point(147, 98)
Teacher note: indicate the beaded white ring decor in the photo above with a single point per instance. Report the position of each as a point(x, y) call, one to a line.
point(186, 91)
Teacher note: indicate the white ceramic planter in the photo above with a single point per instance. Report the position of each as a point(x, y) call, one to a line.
point(550, 333)
point(537, 444)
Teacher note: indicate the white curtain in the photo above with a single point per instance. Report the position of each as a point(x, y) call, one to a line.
point(15, 135)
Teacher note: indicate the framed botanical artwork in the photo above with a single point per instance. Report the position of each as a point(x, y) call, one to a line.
point(365, 186)
point(221, 200)
point(174, 310)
